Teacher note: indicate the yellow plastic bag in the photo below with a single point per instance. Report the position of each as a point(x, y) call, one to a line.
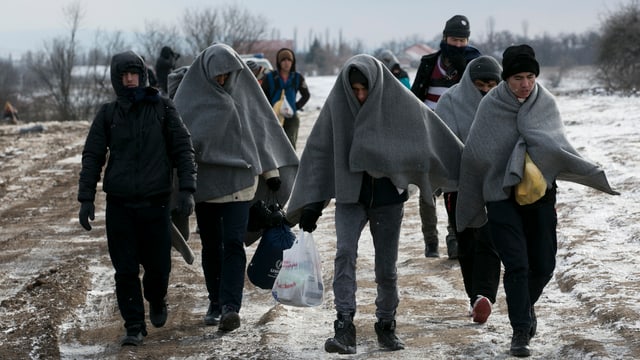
point(533, 186)
point(277, 107)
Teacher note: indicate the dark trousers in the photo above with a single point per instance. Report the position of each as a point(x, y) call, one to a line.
point(525, 237)
point(223, 227)
point(138, 236)
point(429, 220)
point(478, 257)
point(291, 126)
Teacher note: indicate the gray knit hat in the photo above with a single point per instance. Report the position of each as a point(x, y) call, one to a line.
point(484, 68)
point(457, 26)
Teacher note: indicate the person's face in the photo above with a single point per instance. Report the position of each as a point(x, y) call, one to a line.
point(521, 84)
point(457, 41)
point(485, 86)
point(286, 64)
point(360, 91)
point(220, 79)
point(130, 79)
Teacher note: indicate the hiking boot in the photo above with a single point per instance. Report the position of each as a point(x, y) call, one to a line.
point(213, 314)
point(158, 313)
point(534, 324)
point(344, 342)
point(134, 336)
point(452, 246)
point(520, 343)
point(230, 319)
point(386, 331)
point(431, 250)
point(481, 310)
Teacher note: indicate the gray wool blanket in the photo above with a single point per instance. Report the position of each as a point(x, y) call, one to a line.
point(234, 130)
point(493, 157)
point(393, 134)
point(457, 106)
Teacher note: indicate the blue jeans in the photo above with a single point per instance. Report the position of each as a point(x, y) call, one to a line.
point(384, 223)
point(525, 237)
point(223, 227)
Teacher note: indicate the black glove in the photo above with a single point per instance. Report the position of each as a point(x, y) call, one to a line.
point(87, 211)
point(274, 183)
point(308, 220)
point(185, 204)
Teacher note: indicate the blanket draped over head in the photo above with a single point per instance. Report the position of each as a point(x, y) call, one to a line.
point(393, 134)
point(457, 106)
point(234, 130)
point(493, 157)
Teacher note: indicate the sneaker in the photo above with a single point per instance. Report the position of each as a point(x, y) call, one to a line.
point(520, 343)
point(481, 310)
point(229, 320)
point(534, 324)
point(387, 338)
point(344, 342)
point(213, 314)
point(158, 313)
point(133, 337)
point(452, 246)
point(431, 250)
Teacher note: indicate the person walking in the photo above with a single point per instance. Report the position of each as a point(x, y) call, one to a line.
point(142, 135)
point(241, 152)
point(165, 63)
point(519, 120)
point(478, 258)
point(285, 77)
point(436, 73)
point(368, 144)
point(391, 62)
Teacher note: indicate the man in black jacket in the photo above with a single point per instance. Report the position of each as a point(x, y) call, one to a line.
point(438, 72)
point(164, 65)
point(144, 137)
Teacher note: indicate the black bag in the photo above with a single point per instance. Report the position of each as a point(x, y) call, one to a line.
point(267, 260)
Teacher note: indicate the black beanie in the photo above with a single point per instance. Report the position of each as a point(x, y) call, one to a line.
point(457, 26)
point(517, 59)
point(484, 68)
point(356, 76)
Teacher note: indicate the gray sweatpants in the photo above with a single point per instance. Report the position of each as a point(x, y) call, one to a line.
point(384, 224)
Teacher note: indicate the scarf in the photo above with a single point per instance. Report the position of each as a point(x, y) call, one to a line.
point(493, 158)
point(234, 130)
point(392, 134)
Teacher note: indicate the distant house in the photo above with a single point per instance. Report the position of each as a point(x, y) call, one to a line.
point(415, 52)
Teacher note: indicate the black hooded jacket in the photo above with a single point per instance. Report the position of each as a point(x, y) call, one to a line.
point(142, 141)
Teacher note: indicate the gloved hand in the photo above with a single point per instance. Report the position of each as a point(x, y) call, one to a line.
point(308, 220)
point(87, 211)
point(185, 203)
point(274, 183)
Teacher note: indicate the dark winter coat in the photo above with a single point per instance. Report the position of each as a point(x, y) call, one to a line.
point(164, 65)
point(144, 137)
point(428, 62)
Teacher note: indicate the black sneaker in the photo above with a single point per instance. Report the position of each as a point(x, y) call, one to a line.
point(386, 331)
point(134, 336)
point(213, 314)
point(520, 343)
point(229, 320)
point(534, 324)
point(158, 313)
point(344, 342)
point(452, 246)
point(431, 250)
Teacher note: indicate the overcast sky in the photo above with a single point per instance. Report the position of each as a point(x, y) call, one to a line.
point(26, 24)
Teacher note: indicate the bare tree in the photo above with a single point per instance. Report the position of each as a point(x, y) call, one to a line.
point(54, 65)
point(620, 48)
point(231, 25)
point(155, 36)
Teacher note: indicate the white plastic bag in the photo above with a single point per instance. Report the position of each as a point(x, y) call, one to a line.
point(286, 110)
point(299, 282)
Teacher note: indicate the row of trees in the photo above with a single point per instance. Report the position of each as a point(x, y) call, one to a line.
point(47, 84)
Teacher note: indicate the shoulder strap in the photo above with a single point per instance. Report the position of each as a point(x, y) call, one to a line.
point(108, 120)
